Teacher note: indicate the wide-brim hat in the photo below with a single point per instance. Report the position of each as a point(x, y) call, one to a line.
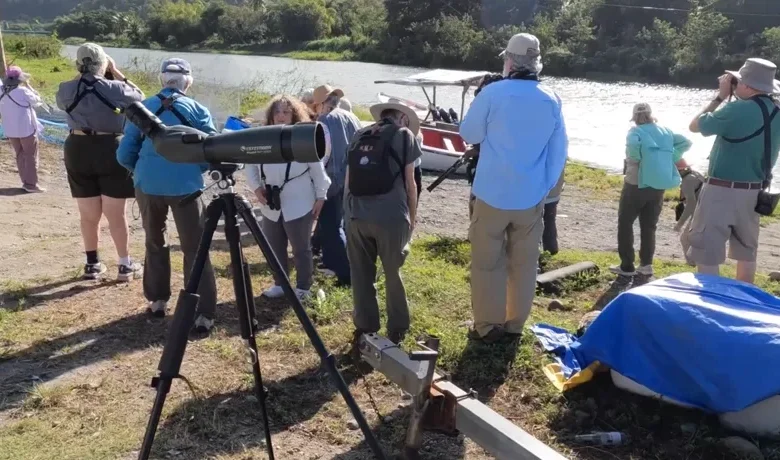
point(321, 93)
point(414, 120)
point(758, 74)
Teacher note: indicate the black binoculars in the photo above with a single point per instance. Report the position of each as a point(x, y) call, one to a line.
point(273, 195)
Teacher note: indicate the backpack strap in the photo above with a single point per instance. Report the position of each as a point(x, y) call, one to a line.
point(167, 103)
point(760, 130)
point(767, 160)
point(387, 135)
point(7, 92)
point(89, 88)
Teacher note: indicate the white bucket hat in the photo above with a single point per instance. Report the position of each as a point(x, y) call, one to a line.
point(758, 74)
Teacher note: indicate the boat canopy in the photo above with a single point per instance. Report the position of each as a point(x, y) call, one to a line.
point(440, 77)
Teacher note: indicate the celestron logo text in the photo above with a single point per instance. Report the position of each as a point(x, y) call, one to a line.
point(255, 148)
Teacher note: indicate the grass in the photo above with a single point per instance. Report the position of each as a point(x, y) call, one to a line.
point(92, 352)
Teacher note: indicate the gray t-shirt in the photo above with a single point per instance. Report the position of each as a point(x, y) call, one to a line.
point(392, 206)
point(91, 112)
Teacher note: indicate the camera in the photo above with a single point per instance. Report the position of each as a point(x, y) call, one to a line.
point(273, 194)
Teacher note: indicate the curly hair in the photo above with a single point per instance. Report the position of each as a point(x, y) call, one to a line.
point(300, 113)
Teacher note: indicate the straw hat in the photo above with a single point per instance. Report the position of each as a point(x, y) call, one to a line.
point(414, 120)
point(758, 74)
point(321, 93)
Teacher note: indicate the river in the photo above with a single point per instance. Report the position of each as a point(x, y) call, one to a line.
point(597, 114)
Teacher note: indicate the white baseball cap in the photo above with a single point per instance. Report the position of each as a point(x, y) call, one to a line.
point(523, 45)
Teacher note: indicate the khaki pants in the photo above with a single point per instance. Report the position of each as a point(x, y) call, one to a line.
point(26, 149)
point(504, 257)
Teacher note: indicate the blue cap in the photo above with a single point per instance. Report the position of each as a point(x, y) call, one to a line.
point(176, 65)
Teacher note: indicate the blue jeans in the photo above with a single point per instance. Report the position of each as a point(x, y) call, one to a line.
point(332, 238)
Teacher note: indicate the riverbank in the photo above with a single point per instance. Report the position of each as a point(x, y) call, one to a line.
point(77, 356)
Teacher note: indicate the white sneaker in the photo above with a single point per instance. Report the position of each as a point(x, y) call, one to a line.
point(203, 325)
point(158, 308)
point(620, 272)
point(274, 292)
point(645, 270)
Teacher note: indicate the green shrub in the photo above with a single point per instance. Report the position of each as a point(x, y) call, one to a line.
point(33, 46)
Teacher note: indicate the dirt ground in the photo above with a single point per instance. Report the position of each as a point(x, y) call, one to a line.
point(41, 232)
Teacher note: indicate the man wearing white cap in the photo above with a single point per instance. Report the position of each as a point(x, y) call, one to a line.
point(380, 212)
point(741, 163)
point(523, 147)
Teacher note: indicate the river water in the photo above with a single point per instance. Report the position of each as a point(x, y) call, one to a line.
point(597, 114)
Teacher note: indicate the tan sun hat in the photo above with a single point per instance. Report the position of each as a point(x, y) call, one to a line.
point(758, 74)
point(523, 45)
point(321, 93)
point(414, 120)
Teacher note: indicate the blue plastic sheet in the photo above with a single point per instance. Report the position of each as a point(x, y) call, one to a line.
point(710, 342)
point(558, 341)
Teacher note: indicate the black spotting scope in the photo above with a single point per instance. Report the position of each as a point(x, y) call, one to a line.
point(303, 142)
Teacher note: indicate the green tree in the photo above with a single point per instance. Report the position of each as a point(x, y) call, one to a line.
point(176, 23)
point(702, 45)
point(772, 47)
point(302, 20)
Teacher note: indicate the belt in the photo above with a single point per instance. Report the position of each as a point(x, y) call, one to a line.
point(89, 132)
point(732, 184)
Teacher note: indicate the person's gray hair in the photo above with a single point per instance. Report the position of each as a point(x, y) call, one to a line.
point(332, 101)
point(522, 62)
point(176, 80)
point(93, 67)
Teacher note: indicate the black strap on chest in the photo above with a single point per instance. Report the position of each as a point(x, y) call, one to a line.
point(167, 103)
point(767, 160)
point(89, 88)
point(286, 175)
point(771, 117)
point(7, 92)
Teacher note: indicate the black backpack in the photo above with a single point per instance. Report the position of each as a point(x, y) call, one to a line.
point(369, 158)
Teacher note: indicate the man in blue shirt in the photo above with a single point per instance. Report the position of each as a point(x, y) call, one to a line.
point(342, 126)
point(160, 185)
point(523, 147)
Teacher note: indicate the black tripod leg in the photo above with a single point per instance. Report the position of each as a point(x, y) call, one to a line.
point(245, 304)
point(245, 210)
point(183, 320)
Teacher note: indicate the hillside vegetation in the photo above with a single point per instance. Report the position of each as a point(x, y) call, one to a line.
point(682, 41)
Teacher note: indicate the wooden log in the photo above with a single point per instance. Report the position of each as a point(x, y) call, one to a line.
point(565, 272)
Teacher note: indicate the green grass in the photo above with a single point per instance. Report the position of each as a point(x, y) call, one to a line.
point(311, 55)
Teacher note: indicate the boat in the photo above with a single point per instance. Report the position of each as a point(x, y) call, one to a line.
point(441, 143)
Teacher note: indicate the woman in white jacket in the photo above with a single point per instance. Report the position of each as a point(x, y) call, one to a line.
point(291, 196)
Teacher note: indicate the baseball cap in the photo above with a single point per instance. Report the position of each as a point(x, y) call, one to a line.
point(14, 76)
point(176, 65)
point(522, 45)
point(89, 53)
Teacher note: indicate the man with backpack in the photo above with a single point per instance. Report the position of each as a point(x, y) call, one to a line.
point(160, 185)
point(380, 213)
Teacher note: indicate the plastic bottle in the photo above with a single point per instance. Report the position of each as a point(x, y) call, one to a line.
point(613, 438)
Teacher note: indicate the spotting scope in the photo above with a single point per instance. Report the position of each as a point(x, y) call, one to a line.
point(302, 142)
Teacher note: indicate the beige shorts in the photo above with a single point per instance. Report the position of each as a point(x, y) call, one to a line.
point(724, 214)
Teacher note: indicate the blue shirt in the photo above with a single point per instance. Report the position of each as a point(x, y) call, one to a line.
point(342, 126)
point(153, 174)
point(657, 149)
point(523, 143)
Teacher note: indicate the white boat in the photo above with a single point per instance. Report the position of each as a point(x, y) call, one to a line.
point(442, 144)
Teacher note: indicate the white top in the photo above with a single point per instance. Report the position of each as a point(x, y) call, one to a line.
point(308, 183)
point(17, 109)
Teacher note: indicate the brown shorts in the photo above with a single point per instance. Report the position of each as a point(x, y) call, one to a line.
point(93, 169)
point(724, 215)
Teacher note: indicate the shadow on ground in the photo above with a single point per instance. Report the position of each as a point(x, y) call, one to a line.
point(25, 298)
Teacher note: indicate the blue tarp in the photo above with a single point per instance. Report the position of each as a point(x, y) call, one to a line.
point(707, 341)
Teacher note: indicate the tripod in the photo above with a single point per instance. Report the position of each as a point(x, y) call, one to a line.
point(230, 205)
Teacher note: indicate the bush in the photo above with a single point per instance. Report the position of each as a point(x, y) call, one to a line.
point(33, 46)
point(302, 20)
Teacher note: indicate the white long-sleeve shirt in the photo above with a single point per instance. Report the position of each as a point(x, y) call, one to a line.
point(307, 183)
point(17, 109)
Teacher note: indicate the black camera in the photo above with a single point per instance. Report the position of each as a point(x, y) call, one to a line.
point(273, 195)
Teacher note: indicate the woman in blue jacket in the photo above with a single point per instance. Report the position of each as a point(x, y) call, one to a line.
point(653, 157)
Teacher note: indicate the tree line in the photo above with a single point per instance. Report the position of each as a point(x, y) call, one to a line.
point(681, 41)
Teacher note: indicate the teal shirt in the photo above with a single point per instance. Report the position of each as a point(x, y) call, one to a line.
point(741, 162)
point(657, 149)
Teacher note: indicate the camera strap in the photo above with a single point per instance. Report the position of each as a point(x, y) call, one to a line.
point(167, 103)
point(767, 128)
point(7, 92)
point(89, 88)
point(286, 175)
point(762, 129)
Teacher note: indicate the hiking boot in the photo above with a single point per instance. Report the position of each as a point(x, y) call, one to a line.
point(158, 308)
point(203, 325)
point(93, 271)
point(496, 334)
point(396, 336)
point(130, 272)
point(326, 271)
point(274, 292)
point(645, 270)
point(618, 270)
